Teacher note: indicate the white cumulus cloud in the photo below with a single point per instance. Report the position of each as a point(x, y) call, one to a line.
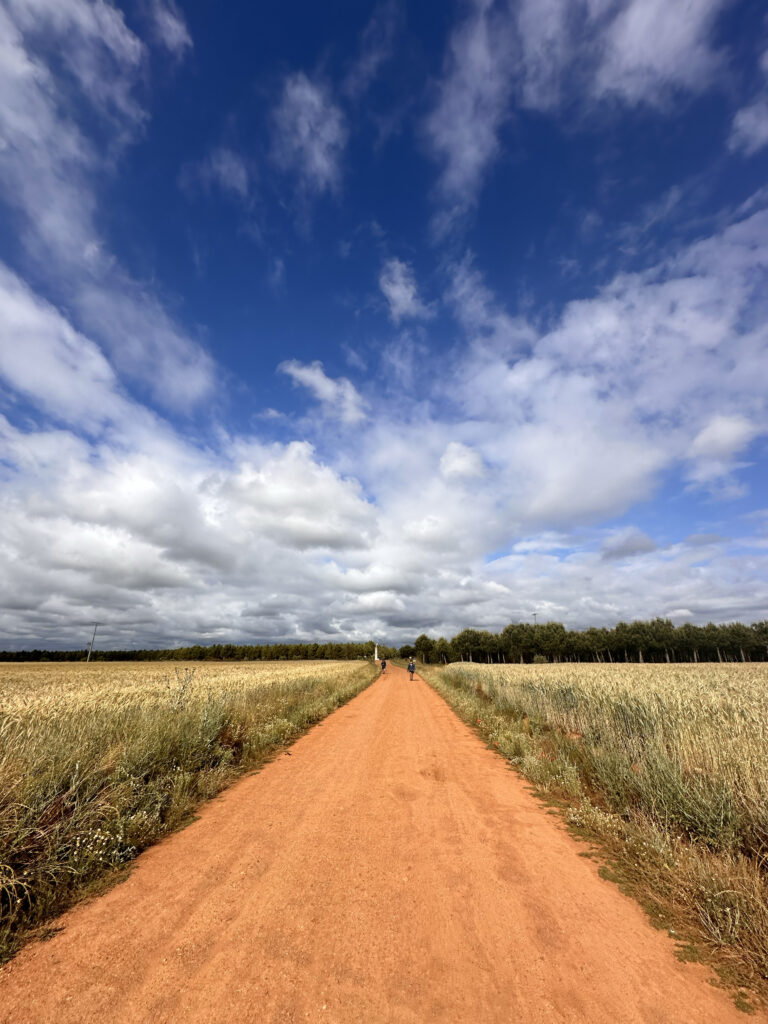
point(627, 543)
point(723, 437)
point(459, 461)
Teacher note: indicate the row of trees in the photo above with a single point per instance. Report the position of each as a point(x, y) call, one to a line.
point(657, 640)
point(216, 652)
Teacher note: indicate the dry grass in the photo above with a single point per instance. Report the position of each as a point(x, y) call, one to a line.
point(47, 688)
point(98, 761)
point(665, 766)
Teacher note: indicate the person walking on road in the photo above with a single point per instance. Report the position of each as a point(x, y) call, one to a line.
point(411, 667)
point(383, 666)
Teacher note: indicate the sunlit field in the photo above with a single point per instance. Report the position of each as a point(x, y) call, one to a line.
point(99, 760)
point(63, 687)
point(666, 765)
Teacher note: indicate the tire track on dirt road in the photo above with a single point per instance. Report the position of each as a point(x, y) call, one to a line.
point(391, 869)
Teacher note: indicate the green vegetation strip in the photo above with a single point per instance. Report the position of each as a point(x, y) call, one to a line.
point(664, 769)
point(86, 784)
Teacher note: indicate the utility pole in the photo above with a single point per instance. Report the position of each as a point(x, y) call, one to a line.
point(90, 648)
point(534, 618)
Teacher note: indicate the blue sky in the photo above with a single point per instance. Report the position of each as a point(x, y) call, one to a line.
point(352, 321)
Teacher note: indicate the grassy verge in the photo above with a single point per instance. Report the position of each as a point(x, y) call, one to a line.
point(91, 775)
point(679, 825)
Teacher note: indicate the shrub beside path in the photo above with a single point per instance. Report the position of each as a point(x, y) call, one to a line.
point(388, 869)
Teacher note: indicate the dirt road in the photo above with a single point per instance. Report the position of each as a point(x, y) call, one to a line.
point(389, 869)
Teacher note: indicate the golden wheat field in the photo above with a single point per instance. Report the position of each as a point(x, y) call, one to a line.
point(708, 719)
point(51, 688)
point(97, 761)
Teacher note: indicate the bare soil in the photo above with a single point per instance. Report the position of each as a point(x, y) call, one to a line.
point(389, 868)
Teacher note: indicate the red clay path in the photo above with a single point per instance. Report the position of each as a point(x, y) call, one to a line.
point(390, 869)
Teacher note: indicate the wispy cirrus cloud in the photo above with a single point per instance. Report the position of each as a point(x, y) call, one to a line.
point(376, 48)
point(52, 171)
point(169, 26)
point(398, 285)
point(222, 168)
point(309, 134)
point(57, 369)
point(472, 102)
point(652, 49)
point(749, 131)
point(540, 56)
point(338, 397)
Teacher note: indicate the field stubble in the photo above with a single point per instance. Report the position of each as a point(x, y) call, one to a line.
point(98, 761)
point(665, 767)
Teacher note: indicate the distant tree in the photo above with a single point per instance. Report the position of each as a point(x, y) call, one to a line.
point(552, 640)
point(467, 644)
point(424, 648)
point(442, 651)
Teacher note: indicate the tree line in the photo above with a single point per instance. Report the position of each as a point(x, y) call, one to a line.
point(657, 640)
point(217, 652)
